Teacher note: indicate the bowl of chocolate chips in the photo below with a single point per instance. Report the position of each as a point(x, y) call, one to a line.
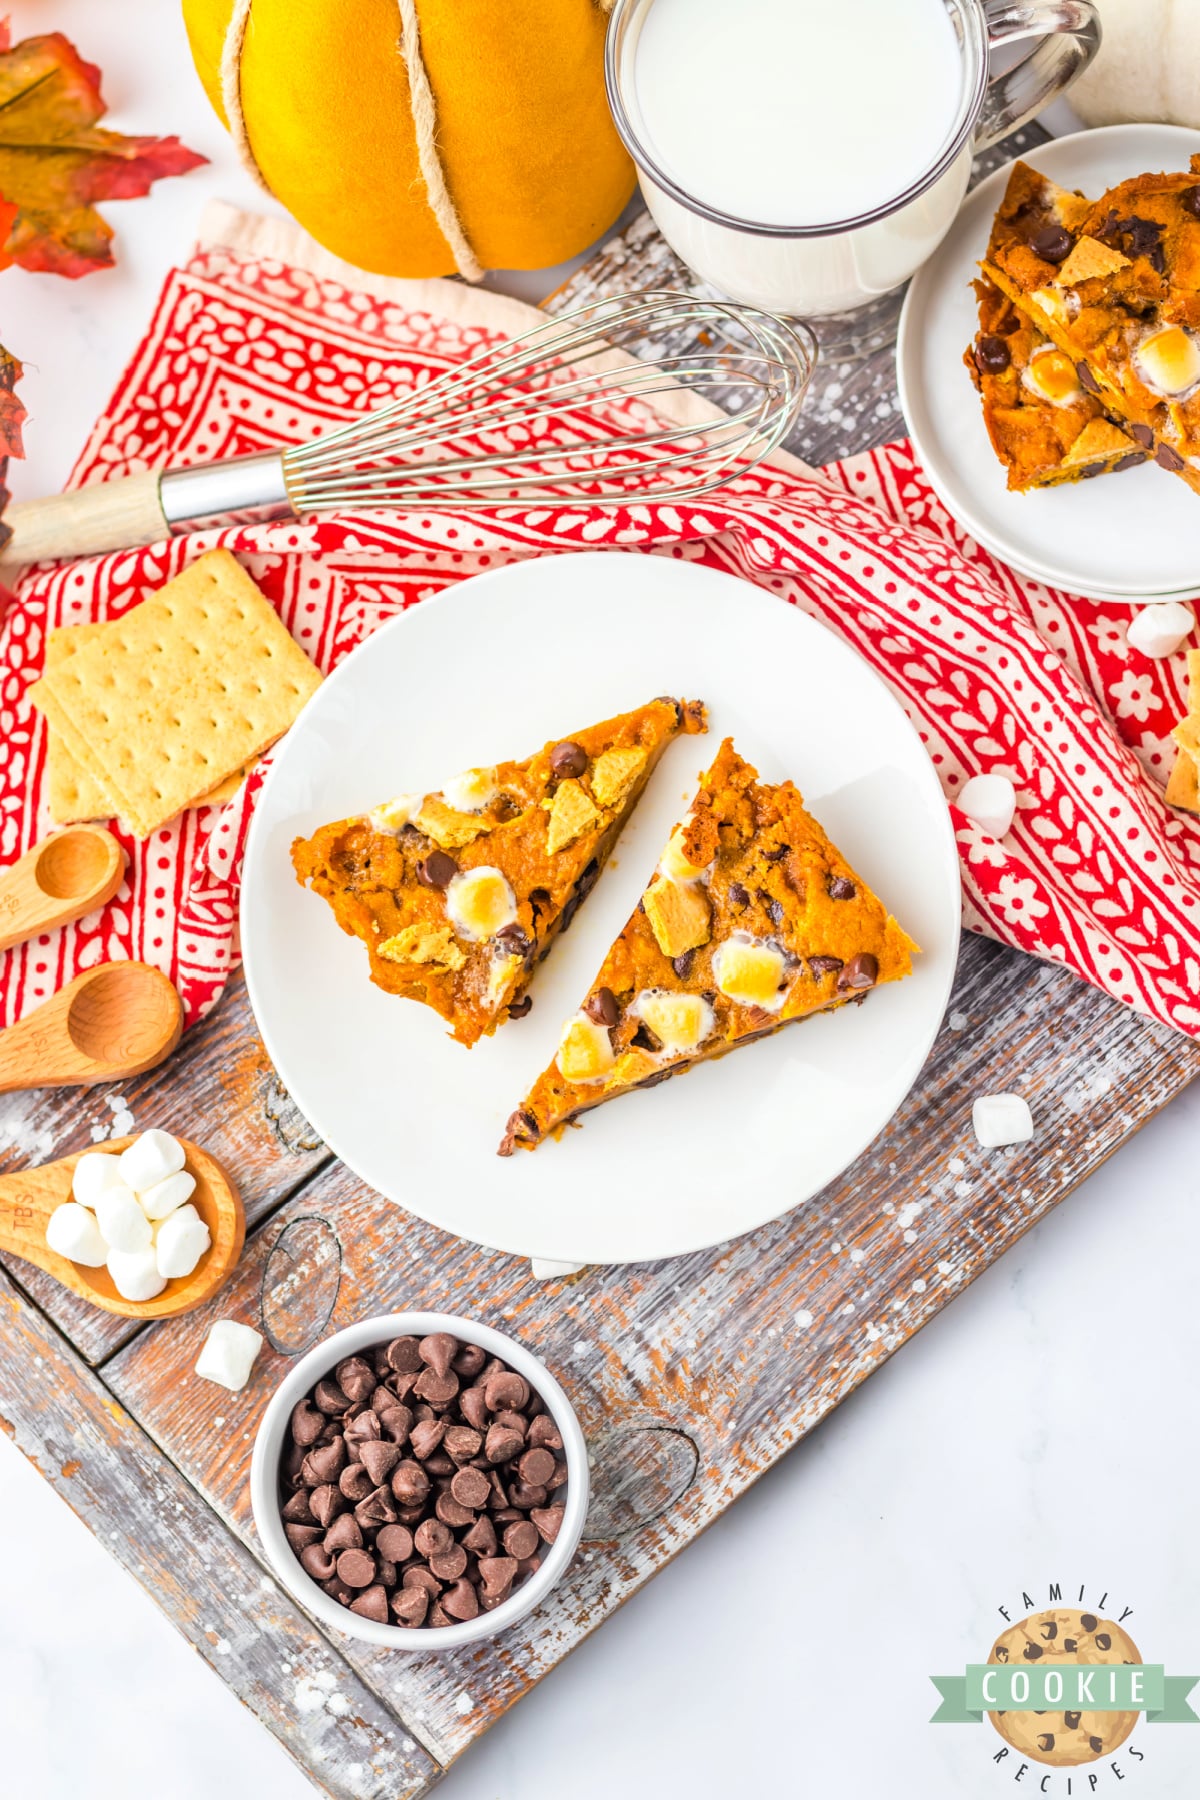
point(419, 1481)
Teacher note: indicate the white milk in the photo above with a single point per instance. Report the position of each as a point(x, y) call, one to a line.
point(797, 112)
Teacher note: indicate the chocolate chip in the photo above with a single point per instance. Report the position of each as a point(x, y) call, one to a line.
point(372, 1605)
point(365, 1428)
point(1168, 458)
point(470, 1487)
point(1032, 1652)
point(1133, 460)
point(356, 1378)
point(469, 1361)
point(327, 1503)
point(521, 1538)
point(1096, 1745)
point(297, 1510)
point(536, 1467)
point(862, 971)
point(355, 1483)
point(644, 1039)
point(824, 965)
point(1046, 1740)
point(1103, 1641)
point(1049, 1631)
point(481, 1539)
point(520, 1009)
point(325, 1463)
point(1001, 1653)
point(1071, 1720)
point(376, 1510)
point(682, 965)
point(461, 1602)
point(1070, 1645)
point(379, 1459)
point(502, 1444)
point(548, 1521)
point(1086, 378)
point(329, 1398)
point(497, 1574)
point(774, 911)
point(301, 1536)
point(356, 1568)
point(568, 759)
point(410, 1483)
point(1190, 201)
point(439, 1390)
point(503, 1388)
point(1143, 435)
point(1089, 1621)
point(602, 1007)
point(544, 1433)
point(439, 1350)
point(992, 355)
point(738, 895)
point(307, 1423)
point(344, 1534)
point(515, 940)
point(409, 1606)
point(438, 1615)
point(404, 1354)
point(432, 1538)
point(421, 1577)
point(449, 1564)
point(395, 1542)
point(316, 1561)
point(438, 870)
point(1052, 243)
point(841, 888)
point(473, 1407)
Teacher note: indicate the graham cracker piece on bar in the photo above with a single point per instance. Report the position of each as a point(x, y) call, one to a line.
point(1088, 259)
point(168, 703)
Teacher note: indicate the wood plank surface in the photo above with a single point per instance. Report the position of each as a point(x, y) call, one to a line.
point(219, 1088)
point(691, 1376)
point(239, 1620)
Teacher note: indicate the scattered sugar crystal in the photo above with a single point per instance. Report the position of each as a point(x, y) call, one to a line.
point(804, 1319)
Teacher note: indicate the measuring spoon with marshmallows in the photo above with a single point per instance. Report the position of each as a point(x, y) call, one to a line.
point(29, 1198)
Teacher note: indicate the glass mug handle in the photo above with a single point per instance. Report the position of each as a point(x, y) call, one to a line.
point(1070, 34)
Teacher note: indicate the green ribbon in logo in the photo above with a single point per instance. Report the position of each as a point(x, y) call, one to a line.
point(1065, 1687)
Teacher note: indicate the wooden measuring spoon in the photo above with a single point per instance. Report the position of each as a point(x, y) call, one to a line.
point(28, 1198)
point(60, 879)
point(114, 1020)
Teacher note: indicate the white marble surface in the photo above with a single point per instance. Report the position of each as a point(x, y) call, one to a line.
point(1041, 1429)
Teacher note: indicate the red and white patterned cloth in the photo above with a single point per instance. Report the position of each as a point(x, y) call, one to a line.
point(261, 340)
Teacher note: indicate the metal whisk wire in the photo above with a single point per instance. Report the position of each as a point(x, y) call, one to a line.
point(580, 371)
point(568, 412)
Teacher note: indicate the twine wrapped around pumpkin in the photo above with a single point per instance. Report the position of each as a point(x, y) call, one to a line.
point(424, 117)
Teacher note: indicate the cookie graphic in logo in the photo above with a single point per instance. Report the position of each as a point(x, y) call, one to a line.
point(1064, 1739)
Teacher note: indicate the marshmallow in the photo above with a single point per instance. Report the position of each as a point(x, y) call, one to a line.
point(471, 791)
point(544, 1269)
point(393, 815)
point(480, 903)
point(1001, 1119)
point(680, 1022)
point(228, 1354)
point(750, 973)
point(991, 801)
point(180, 1242)
point(1160, 629)
point(163, 1198)
point(93, 1173)
point(585, 1051)
point(135, 1274)
point(150, 1159)
point(123, 1224)
point(72, 1232)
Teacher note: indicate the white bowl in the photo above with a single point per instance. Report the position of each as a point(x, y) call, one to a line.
point(271, 1442)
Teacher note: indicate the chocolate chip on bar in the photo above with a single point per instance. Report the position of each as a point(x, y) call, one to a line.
point(422, 1480)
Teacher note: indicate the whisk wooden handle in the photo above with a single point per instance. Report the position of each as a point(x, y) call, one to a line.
point(110, 515)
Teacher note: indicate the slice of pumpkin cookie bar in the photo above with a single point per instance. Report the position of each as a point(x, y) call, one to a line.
point(753, 920)
point(458, 894)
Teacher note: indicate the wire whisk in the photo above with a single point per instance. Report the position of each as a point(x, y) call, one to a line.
point(587, 407)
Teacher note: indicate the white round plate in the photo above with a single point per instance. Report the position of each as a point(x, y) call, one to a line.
point(1121, 537)
point(494, 669)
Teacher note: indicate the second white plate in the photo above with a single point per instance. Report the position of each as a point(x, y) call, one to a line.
point(495, 668)
point(1124, 537)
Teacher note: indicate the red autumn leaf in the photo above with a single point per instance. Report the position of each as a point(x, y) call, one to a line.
point(55, 163)
point(12, 417)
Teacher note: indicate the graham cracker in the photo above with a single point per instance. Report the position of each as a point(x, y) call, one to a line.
point(1183, 786)
point(74, 791)
point(171, 702)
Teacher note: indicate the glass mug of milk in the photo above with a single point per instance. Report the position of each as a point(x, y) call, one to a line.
point(808, 155)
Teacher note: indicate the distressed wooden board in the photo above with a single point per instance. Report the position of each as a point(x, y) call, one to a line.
point(219, 1088)
point(241, 1622)
point(691, 1376)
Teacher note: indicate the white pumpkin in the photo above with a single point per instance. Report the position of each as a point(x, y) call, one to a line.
point(1148, 68)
